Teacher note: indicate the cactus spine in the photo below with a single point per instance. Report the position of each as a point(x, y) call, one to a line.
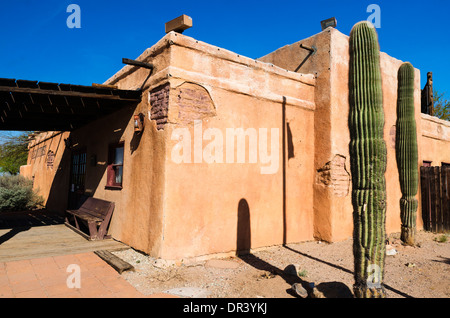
point(406, 152)
point(367, 161)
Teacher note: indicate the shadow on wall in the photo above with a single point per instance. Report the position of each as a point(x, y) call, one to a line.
point(135, 141)
point(57, 197)
point(96, 138)
point(243, 238)
point(328, 289)
point(243, 245)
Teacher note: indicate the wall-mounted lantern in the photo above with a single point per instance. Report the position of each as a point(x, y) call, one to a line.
point(138, 123)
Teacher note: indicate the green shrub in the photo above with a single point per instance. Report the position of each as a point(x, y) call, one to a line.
point(16, 193)
point(302, 273)
point(441, 239)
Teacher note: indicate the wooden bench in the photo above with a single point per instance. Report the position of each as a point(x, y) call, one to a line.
point(96, 214)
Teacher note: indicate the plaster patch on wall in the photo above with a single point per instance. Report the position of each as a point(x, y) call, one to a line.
point(193, 102)
point(335, 176)
point(392, 136)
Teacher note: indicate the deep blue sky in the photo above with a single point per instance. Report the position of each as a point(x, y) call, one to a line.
point(37, 44)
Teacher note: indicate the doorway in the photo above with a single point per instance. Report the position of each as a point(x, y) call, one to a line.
point(77, 178)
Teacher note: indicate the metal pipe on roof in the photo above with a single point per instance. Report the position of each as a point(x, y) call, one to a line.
point(138, 63)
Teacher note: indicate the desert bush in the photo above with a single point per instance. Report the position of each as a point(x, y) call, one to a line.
point(441, 239)
point(16, 193)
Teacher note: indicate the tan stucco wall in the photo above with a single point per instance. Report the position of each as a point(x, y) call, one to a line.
point(138, 206)
point(48, 178)
point(199, 212)
point(137, 219)
point(202, 199)
point(175, 210)
point(332, 204)
point(435, 140)
point(290, 57)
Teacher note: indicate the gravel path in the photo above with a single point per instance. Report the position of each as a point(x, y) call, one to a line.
point(422, 271)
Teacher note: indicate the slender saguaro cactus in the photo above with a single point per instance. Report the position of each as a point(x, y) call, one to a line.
point(367, 161)
point(406, 152)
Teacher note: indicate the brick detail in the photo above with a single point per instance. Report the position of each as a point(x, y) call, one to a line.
point(335, 176)
point(194, 103)
point(159, 101)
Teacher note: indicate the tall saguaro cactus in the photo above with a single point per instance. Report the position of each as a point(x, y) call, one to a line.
point(406, 152)
point(367, 161)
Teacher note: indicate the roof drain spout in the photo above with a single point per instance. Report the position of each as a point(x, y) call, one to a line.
point(140, 64)
point(312, 50)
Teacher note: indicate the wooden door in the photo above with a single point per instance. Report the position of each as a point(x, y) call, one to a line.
point(77, 178)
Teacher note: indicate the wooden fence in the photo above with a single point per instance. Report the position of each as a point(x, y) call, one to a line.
point(435, 187)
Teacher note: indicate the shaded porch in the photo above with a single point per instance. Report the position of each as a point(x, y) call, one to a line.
point(41, 106)
point(38, 234)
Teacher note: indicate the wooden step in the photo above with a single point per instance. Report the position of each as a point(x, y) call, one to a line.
point(117, 263)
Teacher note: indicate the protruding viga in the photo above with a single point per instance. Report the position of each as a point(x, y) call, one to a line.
point(406, 152)
point(367, 161)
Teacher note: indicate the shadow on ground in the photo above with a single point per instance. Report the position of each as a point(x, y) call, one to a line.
point(347, 271)
point(22, 221)
point(328, 289)
point(11, 220)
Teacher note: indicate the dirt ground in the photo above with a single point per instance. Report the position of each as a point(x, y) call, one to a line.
point(418, 272)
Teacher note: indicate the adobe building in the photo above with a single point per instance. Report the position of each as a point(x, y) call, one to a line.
point(224, 153)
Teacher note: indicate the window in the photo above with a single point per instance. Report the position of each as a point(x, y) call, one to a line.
point(115, 167)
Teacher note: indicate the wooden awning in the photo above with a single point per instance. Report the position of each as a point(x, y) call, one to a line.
point(41, 106)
